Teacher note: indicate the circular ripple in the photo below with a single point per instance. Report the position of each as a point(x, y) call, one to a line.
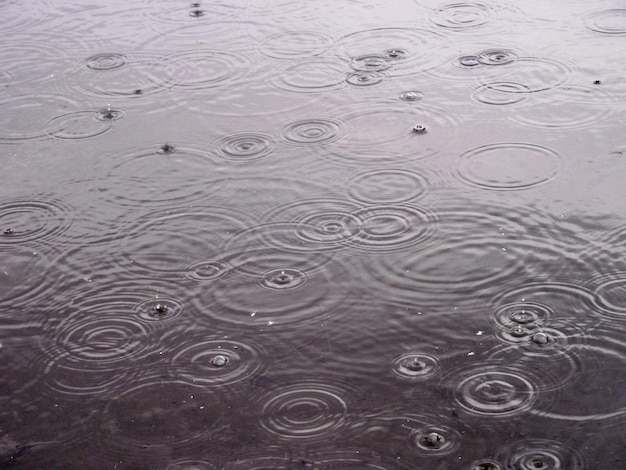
point(383, 130)
point(522, 314)
point(295, 44)
point(313, 76)
point(508, 166)
point(365, 78)
point(258, 261)
point(599, 367)
point(281, 279)
point(165, 242)
point(29, 117)
point(610, 292)
point(278, 301)
point(205, 362)
point(78, 125)
point(311, 411)
point(586, 107)
point(370, 63)
point(436, 440)
point(534, 74)
point(40, 219)
point(149, 176)
point(245, 146)
point(198, 70)
point(496, 57)
point(485, 464)
point(207, 270)
point(160, 309)
point(531, 454)
point(324, 223)
point(411, 95)
point(135, 76)
point(495, 391)
point(313, 131)
point(387, 186)
point(415, 366)
point(393, 227)
point(406, 50)
point(109, 114)
point(607, 21)
point(461, 16)
point(500, 93)
point(106, 61)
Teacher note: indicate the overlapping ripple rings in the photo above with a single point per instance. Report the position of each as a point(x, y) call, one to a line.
point(403, 50)
point(508, 166)
point(295, 44)
point(242, 147)
point(311, 411)
point(530, 454)
point(467, 17)
point(382, 130)
point(415, 366)
point(168, 241)
point(611, 21)
point(200, 70)
point(610, 291)
point(313, 131)
point(158, 174)
point(385, 186)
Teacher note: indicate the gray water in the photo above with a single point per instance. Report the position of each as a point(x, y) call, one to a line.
point(312, 235)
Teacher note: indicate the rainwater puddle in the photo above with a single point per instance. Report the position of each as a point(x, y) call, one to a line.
point(312, 235)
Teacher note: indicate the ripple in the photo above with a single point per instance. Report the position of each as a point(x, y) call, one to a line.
point(361, 79)
point(265, 459)
point(313, 76)
point(383, 130)
point(508, 166)
point(199, 70)
point(611, 21)
point(106, 61)
point(161, 308)
point(190, 464)
point(500, 93)
point(309, 411)
point(585, 107)
point(332, 459)
point(149, 176)
point(415, 366)
point(207, 270)
point(77, 125)
point(436, 440)
point(495, 391)
point(370, 63)
point(245, 146)
point(313, 131)
point(36, 220)
point(321, 223)
point(471, 16)
point(184, 416)
point(593, 386)
point(295, 44)
point(485, 464)
point(393, 227)
point(166, 241)
point(280, 279)
point(386, 186)
point(273, 300)
point(258, 261)
point(17, 18)
point(530, 454)
point(405, 50)
point(411, 95)
point(565, 301)
point(203, 362)
point(121, 75)
point(610, 292)
point(527, 315)
point(494, 57)
point(534, 74)
point(29, 117)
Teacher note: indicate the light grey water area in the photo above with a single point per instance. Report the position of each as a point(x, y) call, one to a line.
point(323, 234)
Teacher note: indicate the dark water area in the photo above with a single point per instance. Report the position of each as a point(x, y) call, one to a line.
point(312, 235)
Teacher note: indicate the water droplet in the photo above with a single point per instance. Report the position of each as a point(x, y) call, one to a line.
point(540, 338)
point(8, 231)
point(219, 361)
point(159, 310)
point(432, 440)
point(419, 129)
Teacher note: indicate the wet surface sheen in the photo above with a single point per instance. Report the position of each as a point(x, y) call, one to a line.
point(312, 235)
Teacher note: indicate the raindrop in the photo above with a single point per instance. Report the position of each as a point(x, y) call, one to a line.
point(411, 95)
point(219, 361)
point(419, 129)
